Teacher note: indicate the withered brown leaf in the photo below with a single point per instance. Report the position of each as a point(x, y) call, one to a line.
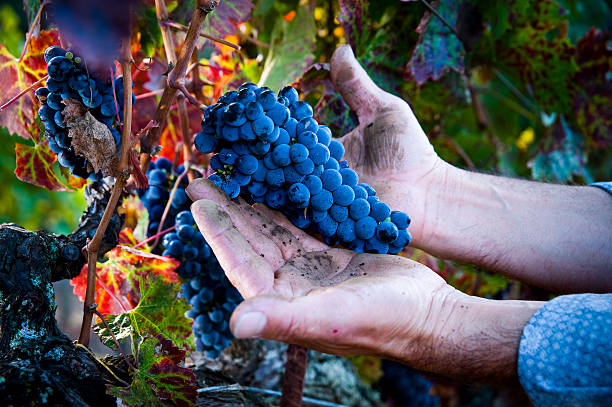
point(90, 138)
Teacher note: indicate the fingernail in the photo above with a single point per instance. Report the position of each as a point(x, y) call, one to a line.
point(250, 325)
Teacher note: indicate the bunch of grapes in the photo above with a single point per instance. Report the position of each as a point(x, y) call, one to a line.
point(207, 290)
point(70, 79)
point(270, 149)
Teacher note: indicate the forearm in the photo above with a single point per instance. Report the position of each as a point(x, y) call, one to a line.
point(474, 339)
point(554, 236)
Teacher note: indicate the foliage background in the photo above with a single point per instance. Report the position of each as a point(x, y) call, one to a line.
point(522, 88)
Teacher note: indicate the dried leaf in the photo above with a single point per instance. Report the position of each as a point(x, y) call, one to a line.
point(90, 138)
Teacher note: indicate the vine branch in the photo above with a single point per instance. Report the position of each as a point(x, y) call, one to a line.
point(176, 78)
point(93, 246)
point(178, 26)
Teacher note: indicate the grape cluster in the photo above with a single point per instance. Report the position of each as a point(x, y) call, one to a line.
point(207, 290)
point(69, 79)
point(270, 149)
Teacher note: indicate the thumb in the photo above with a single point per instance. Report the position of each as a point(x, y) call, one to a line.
point(356, 87)
point(270, 317)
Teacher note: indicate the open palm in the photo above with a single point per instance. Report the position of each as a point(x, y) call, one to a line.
point(301, 291)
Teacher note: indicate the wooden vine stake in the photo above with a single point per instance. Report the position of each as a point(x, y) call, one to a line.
point(293, 378)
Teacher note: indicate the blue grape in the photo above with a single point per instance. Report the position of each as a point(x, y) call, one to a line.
point(319, 154)
point(247, 164)
point(322, 201)
point(343, 195)
point(380, 211)
point(359, 208)
point(308, 139)
point(338, 212)
point(387, 232)
point(299, 195)
point(365, 227)
point(314, 184)
point(331, 179)
point(400, 219)
point(298, 153)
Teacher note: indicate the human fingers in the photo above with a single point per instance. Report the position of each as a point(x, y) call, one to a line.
point(244, 267)
point(357, 88)
point(308, 242)
point(251, 223)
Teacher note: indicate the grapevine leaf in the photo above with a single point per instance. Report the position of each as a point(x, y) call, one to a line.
point(160, 378)
point(74, 182)
point(384, 50)
point(592, 102)
point(118, 283)
point(353, 15)
point(159, 311)
point(330, 108)
point(291, 51)
point(438, 49)
point(35, 166)
point(561, 155)
point(227, 16)
point(19, 117)
point(538, 51)
point(149, 32)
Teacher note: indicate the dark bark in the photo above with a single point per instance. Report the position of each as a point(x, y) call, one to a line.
point(39, 364)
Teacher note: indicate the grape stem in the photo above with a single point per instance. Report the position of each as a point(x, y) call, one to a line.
point(23, 92)
point(150, 141)
point(93, 246)
point(31, 31)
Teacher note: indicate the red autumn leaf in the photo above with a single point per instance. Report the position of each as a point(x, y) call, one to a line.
point(117, 289)
point(35, 166)
point(19, 117)
point(160, 379)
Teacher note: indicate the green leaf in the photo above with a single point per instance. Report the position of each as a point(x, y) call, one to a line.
point(353, 16)
point(561, 157)
point(160, 311)
point(160, 379)
point(291, 51)
point(150, 34)
point(592, 103)
point(537, 50)
point(438, 49)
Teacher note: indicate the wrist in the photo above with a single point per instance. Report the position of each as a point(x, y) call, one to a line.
point(474, 339)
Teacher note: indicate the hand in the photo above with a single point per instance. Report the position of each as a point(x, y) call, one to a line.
point(301, 291)
point(388, 149)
